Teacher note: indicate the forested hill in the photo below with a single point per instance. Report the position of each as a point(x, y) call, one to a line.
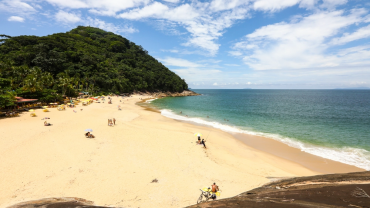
point(85, 58)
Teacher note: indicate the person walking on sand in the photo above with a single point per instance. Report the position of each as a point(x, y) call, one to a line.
point(114, 121)
point(204, 144)
point(214, 190)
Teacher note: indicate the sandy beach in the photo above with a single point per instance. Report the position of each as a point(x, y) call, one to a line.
point(117, 167)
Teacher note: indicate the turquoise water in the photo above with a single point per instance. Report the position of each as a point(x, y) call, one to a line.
point(333, 124)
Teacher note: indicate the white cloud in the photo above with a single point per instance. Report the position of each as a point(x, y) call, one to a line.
point(73, 4)
point(215, 84)
point(363, 32)
point(332, 3)
point(172, 1)
point(219, 5)
point(106, 7)
point(17, 7)
point(298, 44)
point(94, 22)
point(16, 19)
point(203, 21)
point(273, 5)
point(169, 61)
point(277, 5)
point(66, 17)
point(72, 18)
point(236, 53)
point(199, 75)
point(171, 50)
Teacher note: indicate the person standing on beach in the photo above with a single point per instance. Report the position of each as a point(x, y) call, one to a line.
point(204, 144)
point(114, 121)
point(214, 190)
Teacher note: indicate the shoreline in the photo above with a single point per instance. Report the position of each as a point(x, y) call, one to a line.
point(279, 149)
point(121, 161)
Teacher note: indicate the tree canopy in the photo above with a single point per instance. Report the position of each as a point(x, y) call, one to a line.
point(86, 59)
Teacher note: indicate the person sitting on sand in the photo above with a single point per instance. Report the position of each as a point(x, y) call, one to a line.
point(214, 190)
point(110, 123)
point(90, 135)
point(199, 142)
point(46, 123)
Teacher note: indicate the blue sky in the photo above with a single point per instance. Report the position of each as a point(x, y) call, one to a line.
point(275, 44)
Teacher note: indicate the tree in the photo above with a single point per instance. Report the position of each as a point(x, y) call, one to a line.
point(7, 97)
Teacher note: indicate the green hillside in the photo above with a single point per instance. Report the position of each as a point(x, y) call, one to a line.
point(83, 59)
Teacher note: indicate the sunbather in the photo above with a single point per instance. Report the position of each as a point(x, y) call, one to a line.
point(90, 135)
point(46, 123)
point(110, 122)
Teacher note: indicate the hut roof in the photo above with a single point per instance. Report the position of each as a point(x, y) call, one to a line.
point(22, 100)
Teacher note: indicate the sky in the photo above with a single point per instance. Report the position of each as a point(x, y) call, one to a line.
point(223, 44)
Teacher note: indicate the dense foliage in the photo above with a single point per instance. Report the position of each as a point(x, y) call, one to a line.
point(83, 59)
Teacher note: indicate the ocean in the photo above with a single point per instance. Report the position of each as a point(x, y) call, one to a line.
point(333, 124)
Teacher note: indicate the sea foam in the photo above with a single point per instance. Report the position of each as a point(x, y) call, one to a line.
point(348, 155)
point(151, 100)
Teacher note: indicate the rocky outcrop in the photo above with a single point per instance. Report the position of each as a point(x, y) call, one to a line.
point(325, 191)
point(64, 202)
point(168, 94)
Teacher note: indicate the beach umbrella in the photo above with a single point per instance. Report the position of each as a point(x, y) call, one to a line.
point(198, 134)
point(90, 130)
point(31, 110)
point(51, 103)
